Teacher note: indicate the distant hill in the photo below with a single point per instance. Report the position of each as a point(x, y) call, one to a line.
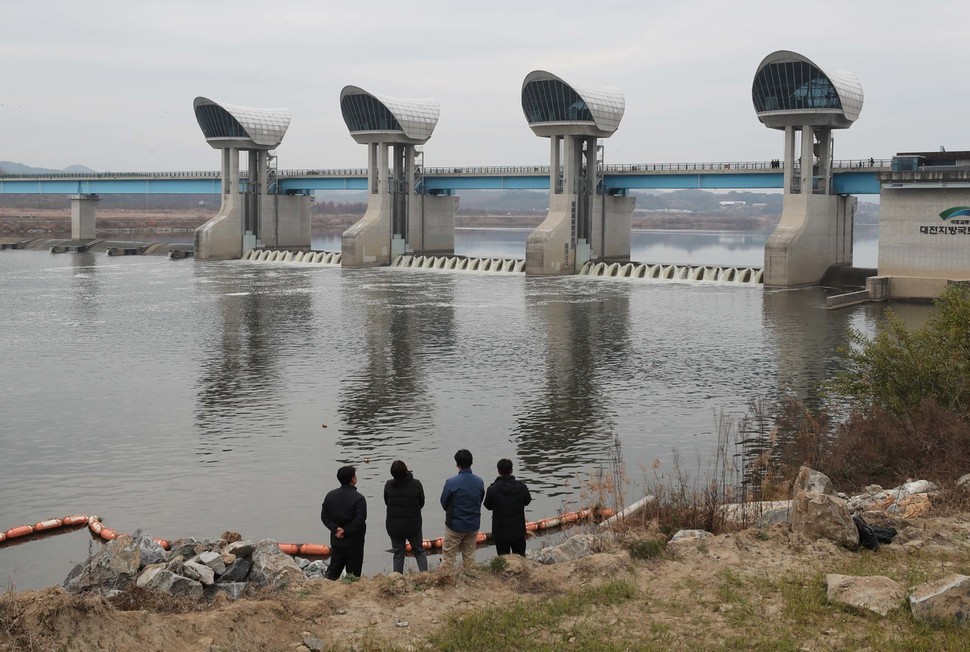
point(11, 167)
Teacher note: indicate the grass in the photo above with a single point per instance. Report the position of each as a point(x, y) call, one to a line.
point(544, 625)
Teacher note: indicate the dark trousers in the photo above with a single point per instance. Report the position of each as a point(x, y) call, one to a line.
point(399, 548)
point(505, 547)
point(351, 558)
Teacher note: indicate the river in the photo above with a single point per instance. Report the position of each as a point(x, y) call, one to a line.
point(187, 398)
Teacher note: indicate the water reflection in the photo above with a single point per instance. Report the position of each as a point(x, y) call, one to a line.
point(262, 315)
point(86, 288)
point(568, 423)
point(409, 323)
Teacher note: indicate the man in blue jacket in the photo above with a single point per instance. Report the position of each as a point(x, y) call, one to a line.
point(344, 513)
point(461, 499)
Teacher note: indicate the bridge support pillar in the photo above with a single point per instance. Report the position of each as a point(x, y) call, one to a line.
point(816, 227)
point(221, 238)
point(83, 217)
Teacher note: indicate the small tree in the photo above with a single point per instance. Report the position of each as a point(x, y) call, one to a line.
point(901, 367)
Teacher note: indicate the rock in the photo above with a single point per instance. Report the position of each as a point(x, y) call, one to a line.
point(575, 547)
point(113, 566)
point(214, 561)
point(911, 505)
point(230, 537)
point(272, 567)
point(774, 517)
point(812, 481)
point(183, 548)
point(682, 536)
point(875, 593)
point(202, 574)
point(151, 551)
point(313, 644)
point(946, 599)
point(232, 590)
point(964, 479)
point(915, 487)
point(242, 548)
point(316, 569)
point(237, 571)
point(228, 558)
point(818, 514)
point(302, 562)
point(165, 581)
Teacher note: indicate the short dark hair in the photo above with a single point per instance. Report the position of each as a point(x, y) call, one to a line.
point(345, 474)
point(504, 466)
point(399, 469)
point(463, 459)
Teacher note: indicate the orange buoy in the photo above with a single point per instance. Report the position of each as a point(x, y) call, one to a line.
point(19, 531)
point(606, 512)
point(163, 543)
point(75, 519)
point(108, 534)
point(314, 549)
point(426, 544)
point(3, 537)
point(584, 513)
point(481, 538)
point(570, 517)
point(95, 526)
point(531, 526)
point(289, 548)
point(407, 547)
point(49, 524)
point(439, 542)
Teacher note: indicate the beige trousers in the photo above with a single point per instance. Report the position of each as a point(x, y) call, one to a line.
point(455, 541)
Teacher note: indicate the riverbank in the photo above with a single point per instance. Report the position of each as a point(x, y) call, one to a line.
point(755, 589)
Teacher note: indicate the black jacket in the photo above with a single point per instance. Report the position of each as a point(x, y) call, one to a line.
point(345, 507)
point(404, 499)
point(507, 498)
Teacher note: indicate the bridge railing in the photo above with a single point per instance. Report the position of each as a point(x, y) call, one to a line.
point(469, 171)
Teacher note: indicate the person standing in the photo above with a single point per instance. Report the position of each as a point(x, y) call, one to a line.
point(506, 498)
point(461, 499)
point(344, 513)
point(404, 497)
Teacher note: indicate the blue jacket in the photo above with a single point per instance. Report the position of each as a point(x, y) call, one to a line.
point(462, 501)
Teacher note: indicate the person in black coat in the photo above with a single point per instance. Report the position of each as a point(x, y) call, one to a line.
point(344, 513)
point(404, 497)
point(507, 498)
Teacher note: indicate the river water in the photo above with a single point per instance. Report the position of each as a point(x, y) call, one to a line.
point(187, 398)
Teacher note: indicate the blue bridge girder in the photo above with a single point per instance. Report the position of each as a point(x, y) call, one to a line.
point(853, 177)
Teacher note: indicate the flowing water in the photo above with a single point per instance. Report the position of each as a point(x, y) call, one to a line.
point(187, 398)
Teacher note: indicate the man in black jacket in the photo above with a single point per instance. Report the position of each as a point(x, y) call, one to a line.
point(344, 513)
point(507, 498)
point(404, 497)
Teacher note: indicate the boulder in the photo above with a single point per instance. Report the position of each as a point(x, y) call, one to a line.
point(242, 548)
point(183, 548)
point(113, 566)
point(316, 569)
point(237, 571)
point(272, 567)
point(165, 581)
point(213, 560)
point(575, 547)
point(232, 590)
point(202, 574)
point(876, 593)
point(151, 551)
point(946, 599)
point(683, 536)
point(819, 514)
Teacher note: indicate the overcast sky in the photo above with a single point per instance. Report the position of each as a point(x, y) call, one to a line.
point(110, 84)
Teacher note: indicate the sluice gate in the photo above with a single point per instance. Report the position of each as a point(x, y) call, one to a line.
point(281, 256)
point(461, 263)
point(747, 275)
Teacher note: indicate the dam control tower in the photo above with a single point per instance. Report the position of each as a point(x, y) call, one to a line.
point(807, 102)
point(585, 222)
point(252, 213)
point(401, 216)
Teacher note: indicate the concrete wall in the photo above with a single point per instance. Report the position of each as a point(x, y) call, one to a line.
point(914, 241)
point(550, 249)
point(815, 232)
point(83, 216)
point(284, 221)
point(619, 211)
point(431, 224)
point(221, 237)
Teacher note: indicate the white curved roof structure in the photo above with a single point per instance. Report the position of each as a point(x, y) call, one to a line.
point(379, 118)
point(790, 90)
point(240, 126)
point(548, 100)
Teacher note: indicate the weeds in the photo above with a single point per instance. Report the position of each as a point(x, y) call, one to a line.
point(498, 564)
point(647, 548)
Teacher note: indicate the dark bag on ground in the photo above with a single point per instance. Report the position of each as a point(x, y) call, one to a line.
point(870, 536)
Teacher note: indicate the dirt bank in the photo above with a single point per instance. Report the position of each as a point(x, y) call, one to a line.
point(756, 589)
